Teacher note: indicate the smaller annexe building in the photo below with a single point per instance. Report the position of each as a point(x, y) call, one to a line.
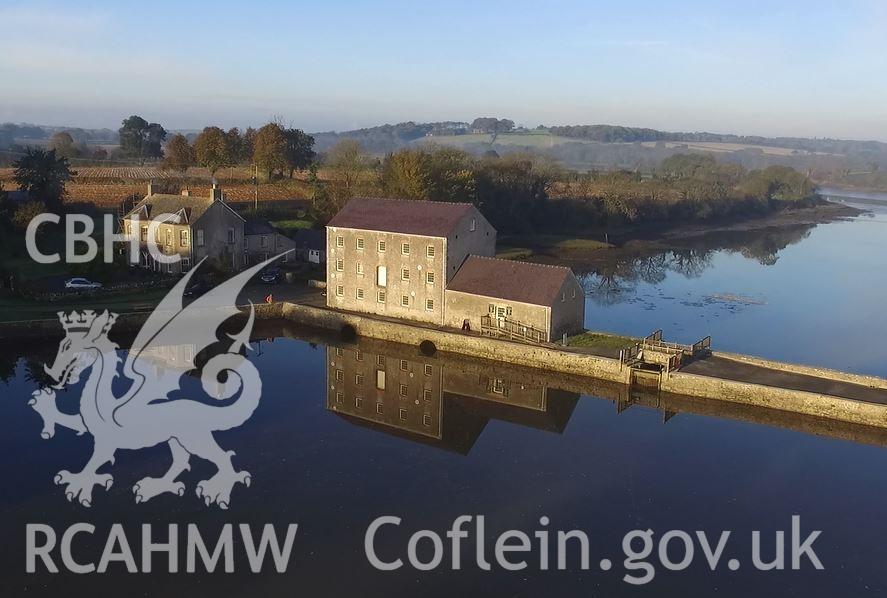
point(520, 300)
point(262, 241)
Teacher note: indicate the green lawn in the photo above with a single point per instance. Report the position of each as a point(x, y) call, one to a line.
point(603, 344)
point(292, 225)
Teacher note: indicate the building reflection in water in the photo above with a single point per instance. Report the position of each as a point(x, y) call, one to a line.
point(437, 400)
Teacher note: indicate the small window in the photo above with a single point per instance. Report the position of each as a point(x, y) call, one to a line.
point(405, 300)
point(168, 237)
point(380, 360)
point(404, 365)
point(402, 414)
point(429, 251)
point(573, 294)
point(358, 379)
point(491, 308)
point(405, 274)
point(508, 310)
point(427, 369)
point(145, 235)
point(473, 224)
point(358, 355)
point(183, 238)
point(340, 264)
point(380, 408)
point(405, 248)
point(380, 296)
point(403, 390)
point(359, 268)
point(186, 264)
point(426, 420)
point(429, 304)
point(358, 402)
point(426, 394)
point(199, 236)
point(340, 351)
point(340, 290)
point(381, 246)
point(340, 241)
point(359, 293)
point(340, 375)
point(429, 277)
point(359, 243)
point(563, 297)
point(263, 241)
point(340, 398)
point(231, 236)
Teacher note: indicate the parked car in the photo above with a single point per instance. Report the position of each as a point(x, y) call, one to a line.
point(271, 276)
point(81, 284)
point(198, 287)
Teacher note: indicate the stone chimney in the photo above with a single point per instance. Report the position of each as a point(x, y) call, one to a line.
point(186, 193)
point(216, 193)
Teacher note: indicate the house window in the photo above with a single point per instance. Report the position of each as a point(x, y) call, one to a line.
point(429, 304)
point(340, 351)
point(200, 237)
point(404, 365)
point(169, 268)
point(380, 408)
point(169, 237)
point(426, 394)
point(340, 375)
point(473, 224)
point(359, 293)
point(426, 420)
point(340, 264)
point(358, 379)
point(340, 241)
point(405, 248)
point(359, 268)
point(405, 300)
point(381, 246)
point(563, 297)
point(340, 398)
point(427, 369)
point(186, 264)
point(358, 355)
point(231, 234)
point(380, 296)
point(429, 251)
point(340, 290)
point(183, 238)
point(402, 414)
point(263, 241)
point(358, 402)
point(405, 274)
point(429, 277)
point(380, 360)
point(491, 308)
point(403, 390)
point(359, 243)
point(145, 234)
point(573, 294)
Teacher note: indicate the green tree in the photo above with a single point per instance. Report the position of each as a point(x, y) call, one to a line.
point(27, 212)
point(211, 149)
point(63, 144)
point(179, 154)
point(43, 175)
point(299, 149)
point(269, 149)
point(406, 174)
point(239, 149)
point(141, 139)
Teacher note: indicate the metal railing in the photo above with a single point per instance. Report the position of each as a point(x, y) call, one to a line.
point(511, 329)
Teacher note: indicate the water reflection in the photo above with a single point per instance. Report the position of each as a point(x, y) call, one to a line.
point(616, 280)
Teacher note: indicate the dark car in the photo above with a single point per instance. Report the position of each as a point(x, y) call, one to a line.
point(271, 276)
point(196, 288)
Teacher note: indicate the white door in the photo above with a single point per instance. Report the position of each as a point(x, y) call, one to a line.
point(382, 276)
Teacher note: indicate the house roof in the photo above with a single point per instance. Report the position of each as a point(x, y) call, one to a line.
point(162, 203)
point(310, 238)
point(412, 217)
point(258, 226)
point(537, 284)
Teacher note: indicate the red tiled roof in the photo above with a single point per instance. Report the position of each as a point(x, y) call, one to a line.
point(413, 217)
point(537, 284)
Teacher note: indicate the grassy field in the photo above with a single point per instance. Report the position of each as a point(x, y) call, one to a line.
point(540, 140)
point(601, 344)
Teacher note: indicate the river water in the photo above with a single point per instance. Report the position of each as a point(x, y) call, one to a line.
point(459, 437)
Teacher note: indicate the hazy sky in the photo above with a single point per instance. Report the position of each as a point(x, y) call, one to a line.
point(778, 67)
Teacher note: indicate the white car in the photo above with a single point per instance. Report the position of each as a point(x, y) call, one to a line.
point(82, 283)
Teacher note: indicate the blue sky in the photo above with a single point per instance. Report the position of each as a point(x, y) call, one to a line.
point(806, 67)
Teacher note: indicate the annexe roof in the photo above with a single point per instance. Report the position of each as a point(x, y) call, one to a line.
point(525, 282)
point(407, 216)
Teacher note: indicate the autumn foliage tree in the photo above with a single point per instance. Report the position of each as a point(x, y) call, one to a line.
point(269, 149)
point(211, 149)
point(179, 154)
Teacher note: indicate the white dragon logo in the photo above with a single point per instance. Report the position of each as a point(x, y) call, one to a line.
point(144, 415)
